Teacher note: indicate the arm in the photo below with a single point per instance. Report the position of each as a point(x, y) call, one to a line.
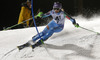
point(69, 17)
point(41, 15)
point(21, 16)
point(72, 20)
point(46, 14)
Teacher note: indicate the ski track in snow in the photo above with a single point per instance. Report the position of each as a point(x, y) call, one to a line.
point(70, 44)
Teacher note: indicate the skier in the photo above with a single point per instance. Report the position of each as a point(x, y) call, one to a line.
point(56, 25)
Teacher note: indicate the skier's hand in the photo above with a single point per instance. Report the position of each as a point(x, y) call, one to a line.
point(39, 15)
point(76, 25)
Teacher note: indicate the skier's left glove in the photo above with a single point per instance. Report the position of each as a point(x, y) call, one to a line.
point(76, 25)
point(39, 15)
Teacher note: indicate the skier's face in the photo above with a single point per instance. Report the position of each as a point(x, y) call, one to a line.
point(56, 10)
point(29, 4)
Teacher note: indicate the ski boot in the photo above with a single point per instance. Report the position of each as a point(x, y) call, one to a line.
point(40, 42)
point(23, 46)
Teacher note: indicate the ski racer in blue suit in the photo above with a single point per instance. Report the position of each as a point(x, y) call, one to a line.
point(56, 25)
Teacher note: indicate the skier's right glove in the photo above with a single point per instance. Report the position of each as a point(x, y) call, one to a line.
point(76, 25)
point(39, 15)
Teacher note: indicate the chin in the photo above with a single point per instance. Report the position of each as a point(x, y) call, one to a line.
point(57, 12)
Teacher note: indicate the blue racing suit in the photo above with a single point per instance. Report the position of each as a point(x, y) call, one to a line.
point(56, 25)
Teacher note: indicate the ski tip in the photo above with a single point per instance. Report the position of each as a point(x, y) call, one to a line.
point(18, 48)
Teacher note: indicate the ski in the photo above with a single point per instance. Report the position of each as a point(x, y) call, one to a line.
point(22, 47)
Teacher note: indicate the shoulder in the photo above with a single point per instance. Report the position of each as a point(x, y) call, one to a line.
point(62, 12)
point(25, 5)
point(52, 11)
point(23, 8)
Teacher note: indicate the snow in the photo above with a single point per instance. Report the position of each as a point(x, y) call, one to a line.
point(70, 44)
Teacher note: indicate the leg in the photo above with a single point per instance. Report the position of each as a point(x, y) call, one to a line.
point(52, 27)
point(48, 31)
point(36, 37)
point(31, 42)
point(46, 36)
point(45, 31)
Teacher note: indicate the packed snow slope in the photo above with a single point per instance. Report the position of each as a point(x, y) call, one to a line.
point(70, 44)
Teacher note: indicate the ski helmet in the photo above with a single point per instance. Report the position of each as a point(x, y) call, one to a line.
point(57, 5)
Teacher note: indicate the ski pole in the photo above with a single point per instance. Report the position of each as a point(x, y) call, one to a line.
point(90, 30)
point(17, 24)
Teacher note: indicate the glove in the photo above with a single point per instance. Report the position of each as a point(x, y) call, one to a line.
point(76, 25)
point(39, 15)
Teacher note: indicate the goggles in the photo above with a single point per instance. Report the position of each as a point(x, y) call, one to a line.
point(56, 9)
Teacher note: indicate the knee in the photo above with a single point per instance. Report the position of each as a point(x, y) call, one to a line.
point(47, 27)
point(45, 30)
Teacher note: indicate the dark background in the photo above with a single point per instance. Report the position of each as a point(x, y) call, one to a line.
point(10, 9)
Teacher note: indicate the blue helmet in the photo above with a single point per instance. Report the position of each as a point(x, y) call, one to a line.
point(57, 5)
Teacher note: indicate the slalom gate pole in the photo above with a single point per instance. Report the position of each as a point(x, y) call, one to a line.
point(90, 30)
point(34, 20)
point(17, 24)
point(37, 28)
